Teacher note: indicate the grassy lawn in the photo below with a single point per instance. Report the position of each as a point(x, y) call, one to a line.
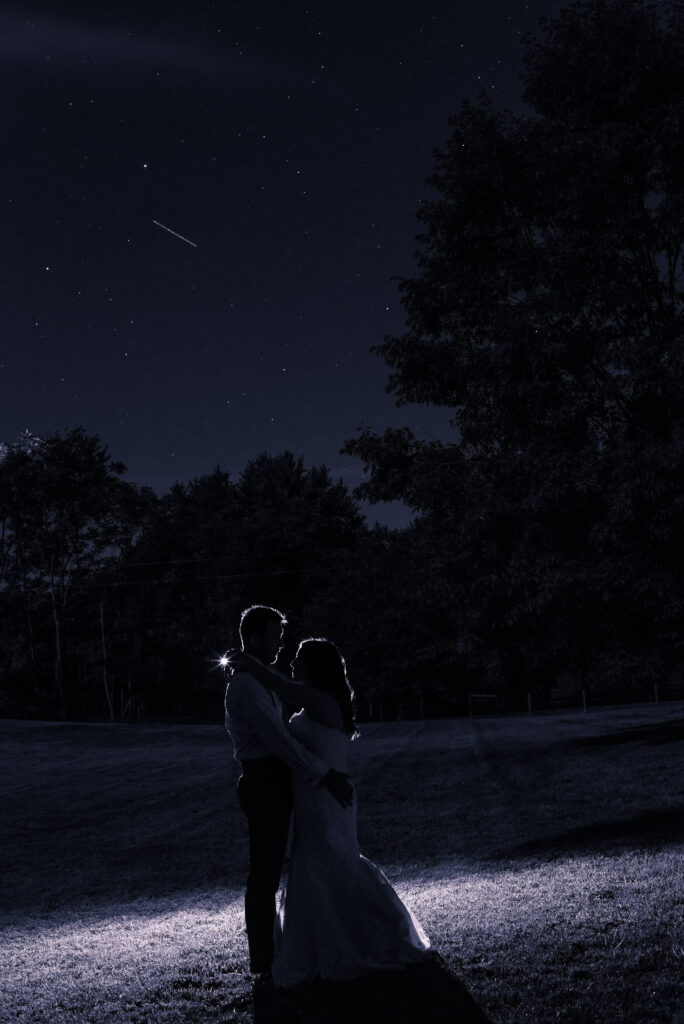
point(543, 856)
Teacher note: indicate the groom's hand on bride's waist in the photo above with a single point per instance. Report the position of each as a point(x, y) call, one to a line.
point(339, 785)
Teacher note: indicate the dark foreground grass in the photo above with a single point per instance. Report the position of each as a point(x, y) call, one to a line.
point(543, 856)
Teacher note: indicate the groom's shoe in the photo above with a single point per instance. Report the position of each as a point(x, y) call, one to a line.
point(264, 992)
point(272, 1005)
point(263, 983)
point(266, 1007)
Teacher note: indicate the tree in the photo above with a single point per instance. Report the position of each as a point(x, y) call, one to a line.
point(175, 592)
point(65, 512)
point(392, 615)
point(294, 523)
point(547, 313)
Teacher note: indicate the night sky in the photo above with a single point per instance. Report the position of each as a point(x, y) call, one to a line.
point(289, 142)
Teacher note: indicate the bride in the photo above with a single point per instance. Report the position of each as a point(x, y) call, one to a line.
point(339, 917)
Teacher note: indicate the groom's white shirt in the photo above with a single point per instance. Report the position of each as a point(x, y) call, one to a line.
point(255, 723)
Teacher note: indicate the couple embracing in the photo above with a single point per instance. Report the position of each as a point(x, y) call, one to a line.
point(340, 917)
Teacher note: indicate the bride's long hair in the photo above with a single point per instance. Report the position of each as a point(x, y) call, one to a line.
point(327, 671)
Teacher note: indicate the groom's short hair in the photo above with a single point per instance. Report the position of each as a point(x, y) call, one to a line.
point(255, 619)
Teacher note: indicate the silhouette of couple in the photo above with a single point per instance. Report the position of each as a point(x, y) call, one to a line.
point(339, 918)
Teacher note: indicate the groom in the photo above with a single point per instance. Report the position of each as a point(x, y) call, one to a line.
point(267, 753)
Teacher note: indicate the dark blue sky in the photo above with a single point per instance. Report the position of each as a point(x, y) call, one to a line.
point(290, 143)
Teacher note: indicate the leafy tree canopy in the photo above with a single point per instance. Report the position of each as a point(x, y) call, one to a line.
point(64, 513)
point(547, 313)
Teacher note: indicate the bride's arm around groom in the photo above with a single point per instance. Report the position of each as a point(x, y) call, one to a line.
point(256, 726)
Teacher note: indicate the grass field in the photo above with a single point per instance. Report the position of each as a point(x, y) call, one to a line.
point(543, 856)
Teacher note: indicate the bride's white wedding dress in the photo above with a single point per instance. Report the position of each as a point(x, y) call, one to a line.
point(339, 916)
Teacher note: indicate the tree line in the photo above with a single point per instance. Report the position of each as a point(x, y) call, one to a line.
point(546, 555)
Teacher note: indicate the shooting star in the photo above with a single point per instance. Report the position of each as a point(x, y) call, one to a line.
point(174, 233)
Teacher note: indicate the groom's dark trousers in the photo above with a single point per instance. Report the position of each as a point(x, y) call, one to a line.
point(265, 795)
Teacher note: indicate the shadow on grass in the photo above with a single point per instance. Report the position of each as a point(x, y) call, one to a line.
point(659, 732)
point(425, 992)
point(649, 829)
